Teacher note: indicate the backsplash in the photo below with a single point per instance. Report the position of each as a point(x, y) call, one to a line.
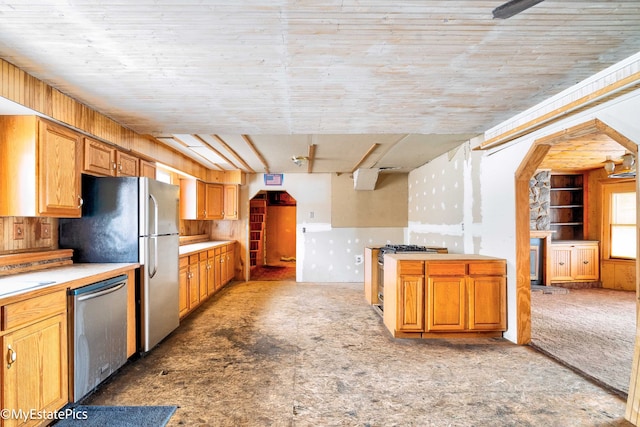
point(26, 234)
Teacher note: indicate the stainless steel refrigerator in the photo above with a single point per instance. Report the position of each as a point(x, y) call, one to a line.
point(133, 220)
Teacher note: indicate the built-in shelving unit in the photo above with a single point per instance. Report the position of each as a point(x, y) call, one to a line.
point(257, 219)
point(566, 206)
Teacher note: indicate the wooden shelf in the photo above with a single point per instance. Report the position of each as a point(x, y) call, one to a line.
point(257, 220)
point(567, 206)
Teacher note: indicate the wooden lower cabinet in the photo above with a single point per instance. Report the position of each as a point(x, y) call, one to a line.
point(203, 273)
point(450, 298)
point(576, 261)
point(35, 360)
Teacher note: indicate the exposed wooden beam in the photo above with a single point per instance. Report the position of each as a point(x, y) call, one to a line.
point(234, 154)
point(367, 154)
point(256, 152)
point(226, 159)
point(311, 155)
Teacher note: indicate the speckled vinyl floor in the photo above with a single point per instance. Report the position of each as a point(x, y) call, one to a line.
point(297, 354)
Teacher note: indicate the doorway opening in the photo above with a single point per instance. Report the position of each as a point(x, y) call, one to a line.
point(272, 236)
point(588, 328)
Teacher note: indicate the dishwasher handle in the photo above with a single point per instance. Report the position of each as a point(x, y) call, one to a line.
point(101, 292)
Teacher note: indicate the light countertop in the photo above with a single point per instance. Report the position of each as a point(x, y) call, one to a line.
point(202, 246)
point(421, 256)
point(70, 276)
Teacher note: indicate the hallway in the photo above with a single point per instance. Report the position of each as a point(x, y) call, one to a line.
point(304, 354)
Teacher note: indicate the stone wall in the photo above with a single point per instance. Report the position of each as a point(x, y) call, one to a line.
point(539, 199)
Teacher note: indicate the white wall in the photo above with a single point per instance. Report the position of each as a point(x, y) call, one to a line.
point(324, 254)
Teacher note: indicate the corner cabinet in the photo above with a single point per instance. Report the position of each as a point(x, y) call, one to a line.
point(575, 261)
point(567, 206)
point(442, 296)
point(35, 368)
point(39, 168)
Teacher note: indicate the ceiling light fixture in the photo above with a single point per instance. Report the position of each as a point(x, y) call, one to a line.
point(627, 169)
point(513, 7)
point(299, 160)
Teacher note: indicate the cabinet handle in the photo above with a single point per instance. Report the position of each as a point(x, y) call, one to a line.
point(585, 262)
point(11, 356)
point(561, 263)
point(80, 201)
point(115, 166)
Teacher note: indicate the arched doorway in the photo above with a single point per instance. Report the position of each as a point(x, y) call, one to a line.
point(272, 236)
point(595, 132)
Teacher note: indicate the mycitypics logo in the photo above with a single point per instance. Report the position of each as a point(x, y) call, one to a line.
point(25, 415)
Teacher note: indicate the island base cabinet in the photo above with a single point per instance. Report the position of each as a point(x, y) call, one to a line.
point(411, 312)
point(435, 299)
point(487, 303)
point(446, 299)
point(35, 370)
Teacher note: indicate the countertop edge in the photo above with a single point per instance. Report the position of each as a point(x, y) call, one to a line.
point(95, 273)
point(201, 246)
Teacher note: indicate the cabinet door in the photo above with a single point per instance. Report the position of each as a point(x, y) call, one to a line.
point(147, 169)
point(214, 201)
point(194, 282)
point(218, 268)
point(202, 267)
point(411, 304)
point(586, 262)
point(58, 171)
point(561, 256)
point(98, 158)
point(446, 302)
point(231, 201)
point(127, 165)
point(37, 379)
point(183, 281)
point(211, 281)
point(487, 303)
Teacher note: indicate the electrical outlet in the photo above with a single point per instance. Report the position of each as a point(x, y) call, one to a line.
point(358, 259)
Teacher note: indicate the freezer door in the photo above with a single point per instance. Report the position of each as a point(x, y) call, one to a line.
point(159, 311)
point(159, 204)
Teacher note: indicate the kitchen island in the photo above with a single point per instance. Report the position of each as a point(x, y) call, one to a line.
point(444, 295)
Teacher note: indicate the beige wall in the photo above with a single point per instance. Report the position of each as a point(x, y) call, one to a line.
point(386, 206)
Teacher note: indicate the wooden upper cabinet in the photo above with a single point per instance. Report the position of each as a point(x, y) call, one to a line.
point(99, 158)
point(39, 168)
point(126, 164)
point(231, 201)
point(59, 174)
point(106, 160)
point(214, 201)
point(192, 199)
point(147, 169)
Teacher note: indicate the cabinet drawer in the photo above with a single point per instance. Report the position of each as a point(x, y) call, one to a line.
point(193, 259)
point(203, 256)
point(446, 269)
point(488, 268)
point(33, 309)
point(411, 267)
point(211, 253)
point(184, 261)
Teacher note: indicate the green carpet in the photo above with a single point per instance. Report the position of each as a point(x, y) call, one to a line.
point(116, 416)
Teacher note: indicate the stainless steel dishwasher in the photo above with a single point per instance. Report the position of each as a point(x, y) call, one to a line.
point(99, 335)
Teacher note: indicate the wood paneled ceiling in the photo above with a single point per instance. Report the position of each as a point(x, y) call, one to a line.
point(250, 84)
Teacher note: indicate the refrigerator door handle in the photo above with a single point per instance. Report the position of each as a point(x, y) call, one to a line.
point(154, 270)
point(155, 214)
